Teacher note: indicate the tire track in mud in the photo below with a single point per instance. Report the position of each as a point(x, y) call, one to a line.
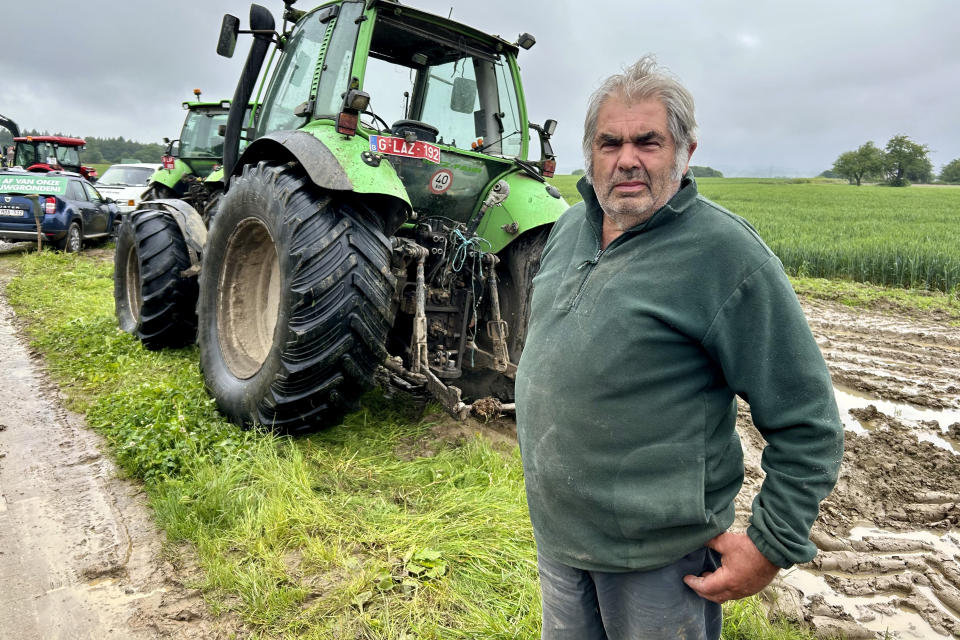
point(889, 534)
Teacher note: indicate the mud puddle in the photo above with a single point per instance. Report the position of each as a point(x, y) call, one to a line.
point(940, 427)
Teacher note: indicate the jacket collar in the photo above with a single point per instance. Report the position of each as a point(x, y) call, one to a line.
point(681, 200)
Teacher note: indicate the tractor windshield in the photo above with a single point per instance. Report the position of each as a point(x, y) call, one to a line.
point(425, 72)
point(200, 137)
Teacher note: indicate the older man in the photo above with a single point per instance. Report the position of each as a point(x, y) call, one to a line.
point(653, 309)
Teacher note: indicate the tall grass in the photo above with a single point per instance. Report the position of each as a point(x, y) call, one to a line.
point(383, 527)
point(898, 237)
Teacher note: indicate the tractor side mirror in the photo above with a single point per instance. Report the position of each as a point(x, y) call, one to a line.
point(229, 29)
point(464, 95)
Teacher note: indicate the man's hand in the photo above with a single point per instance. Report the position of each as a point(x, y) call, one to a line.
point(743, 570)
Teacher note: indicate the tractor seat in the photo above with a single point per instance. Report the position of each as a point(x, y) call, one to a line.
point(423, 131)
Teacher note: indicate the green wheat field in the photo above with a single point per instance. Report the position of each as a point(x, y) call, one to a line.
point(896, 237)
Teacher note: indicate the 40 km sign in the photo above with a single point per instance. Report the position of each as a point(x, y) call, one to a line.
point(441, 181)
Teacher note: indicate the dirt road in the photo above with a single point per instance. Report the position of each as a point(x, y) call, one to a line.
point(80, 557)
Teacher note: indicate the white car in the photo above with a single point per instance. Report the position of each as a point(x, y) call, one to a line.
point(125, 183)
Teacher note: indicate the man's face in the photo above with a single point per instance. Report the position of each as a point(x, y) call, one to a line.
point(633, 159)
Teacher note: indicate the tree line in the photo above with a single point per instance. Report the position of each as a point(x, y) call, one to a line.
point(102, 150)
point(900, 163)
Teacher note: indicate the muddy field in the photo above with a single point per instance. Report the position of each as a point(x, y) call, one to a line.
point(81, 557)
point(889, 535)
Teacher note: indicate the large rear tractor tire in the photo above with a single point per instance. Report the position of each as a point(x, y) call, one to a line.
point(152, 299)
point(519, 263)
point(295, 301)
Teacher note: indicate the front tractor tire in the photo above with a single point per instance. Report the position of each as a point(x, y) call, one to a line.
point(295, 301)
point(153, 300)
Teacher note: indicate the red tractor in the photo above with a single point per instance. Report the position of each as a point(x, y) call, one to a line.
point(51, 153)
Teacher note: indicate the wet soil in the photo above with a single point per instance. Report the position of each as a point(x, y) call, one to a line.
point(80, 555)
point(889, 534)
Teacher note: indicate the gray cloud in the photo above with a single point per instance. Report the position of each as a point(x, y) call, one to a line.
point(781, 89)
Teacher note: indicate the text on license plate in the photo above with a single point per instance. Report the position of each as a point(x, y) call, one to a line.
point(400, 147)
point(11, 211)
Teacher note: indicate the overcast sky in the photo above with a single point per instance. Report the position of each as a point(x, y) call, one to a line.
point(781, 88)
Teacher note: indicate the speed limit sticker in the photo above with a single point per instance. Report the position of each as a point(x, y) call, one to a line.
point(441, 181)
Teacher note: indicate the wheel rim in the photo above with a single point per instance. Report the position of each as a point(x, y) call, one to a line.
point(74, 240)
point(132, 273)
point(248, 299)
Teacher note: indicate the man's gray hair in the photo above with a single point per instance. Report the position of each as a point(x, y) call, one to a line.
point(642, 81)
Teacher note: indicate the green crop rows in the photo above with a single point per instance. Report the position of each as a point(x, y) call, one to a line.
point(907, 237)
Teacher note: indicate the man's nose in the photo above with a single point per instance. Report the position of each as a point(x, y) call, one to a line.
point(628, 158)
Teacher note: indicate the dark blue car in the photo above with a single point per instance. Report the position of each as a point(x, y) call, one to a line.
point(68, 210)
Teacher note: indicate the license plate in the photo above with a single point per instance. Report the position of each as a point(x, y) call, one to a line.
point(11, 211)
point(400, 147)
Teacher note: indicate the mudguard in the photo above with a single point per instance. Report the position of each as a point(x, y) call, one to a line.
point(190, 223)
point(170, 177)
point(215, 177)
point(529, 205)
point(332, 161)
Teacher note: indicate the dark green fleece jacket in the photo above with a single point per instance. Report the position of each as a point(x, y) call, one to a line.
point(626, 390)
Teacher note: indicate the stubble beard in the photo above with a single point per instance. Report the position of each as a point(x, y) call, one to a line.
point(629, 211)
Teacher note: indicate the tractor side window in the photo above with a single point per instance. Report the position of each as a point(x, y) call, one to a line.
point(75, 191)
point(26, 155)
point(68, 156)
point(293, 81)
point(512, 138)
point(338, 60)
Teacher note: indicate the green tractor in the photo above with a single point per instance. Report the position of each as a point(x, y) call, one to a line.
point(192, 164)
point(382, 225)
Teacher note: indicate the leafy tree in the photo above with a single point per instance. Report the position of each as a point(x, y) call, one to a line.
point(864, 163)
point(905, 160)
point(829, 173)
point(578, 172)
point(705, 172)
point(951, 172)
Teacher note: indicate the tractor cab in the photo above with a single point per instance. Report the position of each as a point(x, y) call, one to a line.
point(196, 156)
point(51, 153)
point(200, 145)
point(440, 101)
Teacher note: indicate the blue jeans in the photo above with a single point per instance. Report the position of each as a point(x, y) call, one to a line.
point(636, 605)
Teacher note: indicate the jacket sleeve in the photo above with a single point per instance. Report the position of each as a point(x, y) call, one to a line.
point(769, 357)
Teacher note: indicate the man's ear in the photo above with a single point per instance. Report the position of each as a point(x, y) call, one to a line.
point(690, 150)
